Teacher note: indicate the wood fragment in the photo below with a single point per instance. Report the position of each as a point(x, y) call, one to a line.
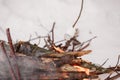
point(58, 49)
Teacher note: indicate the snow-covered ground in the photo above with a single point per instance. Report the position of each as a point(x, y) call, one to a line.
point(99, 18)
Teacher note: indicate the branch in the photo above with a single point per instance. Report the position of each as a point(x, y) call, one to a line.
point(53, 32)
point(85, 46)
point(13, 53)
point(79, 14)
point(37, 38)
point(10, 42)
point(115, 77)
point(118, 75)
point(11, 68)
point(104, 62)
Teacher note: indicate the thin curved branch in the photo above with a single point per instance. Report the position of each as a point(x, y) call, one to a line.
point(79, 14)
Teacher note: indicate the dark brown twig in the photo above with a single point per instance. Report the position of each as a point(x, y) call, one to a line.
point(114, 77)
point(10, 42)
point(88, 43)
point(79, 14)
point(39, 38)
point(88, 40)
point(84, 47)
point(67, 44)
point(11, 68)
point(104, 63)
point(46, 44)
point(13, 53)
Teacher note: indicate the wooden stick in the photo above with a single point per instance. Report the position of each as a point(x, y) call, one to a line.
point(53, 33)
point(13, 53)
point(10, 42)
point(11, 68)
point(109, 77)
point(85, 46)
point(114, 77)
point(37, 38)
point(79, 14)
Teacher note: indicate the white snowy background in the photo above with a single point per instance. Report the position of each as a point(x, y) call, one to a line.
point(99, 18)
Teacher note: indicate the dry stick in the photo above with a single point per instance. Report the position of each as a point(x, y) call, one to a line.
point(115, 77)
point(79, 14)
point(51, 42)
point(53, 33)
point(50, 45)
point(60, 41)
point(46, 44)
point(67, 44)
point(10, 42)
point(86, 44)
point(38, 38)
point(84, 47)
point(13, 53)
point(104, 63)
point(11, 69)
point(88, 40)
point(114, 68)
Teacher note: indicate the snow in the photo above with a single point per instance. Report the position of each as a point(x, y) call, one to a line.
point(99, 18)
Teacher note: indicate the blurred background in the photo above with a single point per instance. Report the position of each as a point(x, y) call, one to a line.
point(99, 18)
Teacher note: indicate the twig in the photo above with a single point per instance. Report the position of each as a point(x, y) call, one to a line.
point(88, 43)
point(49, 40)
point(118, 61)
point(104, 63)
point(88, 40)
point(109, 78)
point(53, 32)
point(59, 41)
point(30, 37)
point(75, 43)
point(38, 38)
point(114, 77)
point(46, 44)
point(67, 44)
point(10, 42)
point(13, 53)
point(11, 68)
point(79, 14)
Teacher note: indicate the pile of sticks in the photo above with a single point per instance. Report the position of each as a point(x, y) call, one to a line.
point(55, 63)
